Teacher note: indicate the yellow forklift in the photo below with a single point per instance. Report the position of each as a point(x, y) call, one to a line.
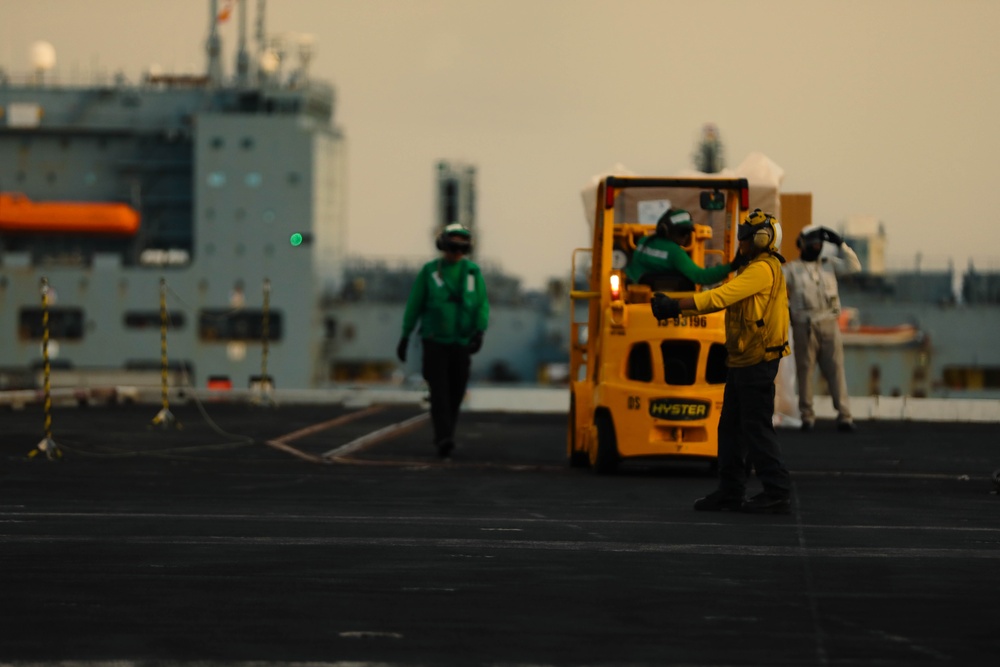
point(642, 388)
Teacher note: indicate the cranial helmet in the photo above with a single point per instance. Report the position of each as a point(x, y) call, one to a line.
point(675, 220)
point(764, 230)
point(811, 235)
point(810, 243)
point(454, 237)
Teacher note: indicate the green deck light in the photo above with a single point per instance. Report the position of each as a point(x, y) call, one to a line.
point(295, 239)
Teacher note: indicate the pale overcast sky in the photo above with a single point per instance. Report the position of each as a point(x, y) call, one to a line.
point(888, 108)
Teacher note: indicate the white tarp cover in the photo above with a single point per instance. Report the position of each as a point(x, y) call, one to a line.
point(762, 173)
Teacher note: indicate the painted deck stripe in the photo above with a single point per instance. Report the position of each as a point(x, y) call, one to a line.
point(382, 434)
point(767, 551)
point(322, 426)
point(474, 521)
point(281, 442)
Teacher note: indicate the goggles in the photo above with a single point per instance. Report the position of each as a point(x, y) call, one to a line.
point(455, 245)
point(746, 231)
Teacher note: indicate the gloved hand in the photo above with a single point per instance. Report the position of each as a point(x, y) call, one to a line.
point(739, 261)
point(404, 343)
point(833, 237)
point(664, 307)
point(476, 342)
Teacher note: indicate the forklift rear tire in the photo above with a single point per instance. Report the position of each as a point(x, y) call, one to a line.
point(605, 460)
point(575, 457)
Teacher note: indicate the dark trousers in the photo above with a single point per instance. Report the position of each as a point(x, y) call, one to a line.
point(746, 432)
point(446, 369)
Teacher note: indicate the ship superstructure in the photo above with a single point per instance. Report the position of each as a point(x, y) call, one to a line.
point(913, 328)
point(236, 190)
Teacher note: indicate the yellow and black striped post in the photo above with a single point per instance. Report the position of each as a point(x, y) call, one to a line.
point(164, 417)
point(265, 385)
point(47, 444)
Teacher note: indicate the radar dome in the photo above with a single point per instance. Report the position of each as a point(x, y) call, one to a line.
point(43, 56)
point(269, 61)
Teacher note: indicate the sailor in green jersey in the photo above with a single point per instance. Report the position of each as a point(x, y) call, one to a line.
point(449, 300)
point(664, 252)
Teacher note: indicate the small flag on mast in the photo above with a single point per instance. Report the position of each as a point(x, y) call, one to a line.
point(226, 11)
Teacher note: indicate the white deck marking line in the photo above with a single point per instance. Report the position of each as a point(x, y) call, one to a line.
point(766, 551)
point(312, 458)
point(958, 477)
point(322, 426)
point(443, 520)
point(819, 633)
point(384, 433)
point(282, 441)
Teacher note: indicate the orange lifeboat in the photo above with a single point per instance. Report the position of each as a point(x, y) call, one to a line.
point(21, 215)
point(853, 333)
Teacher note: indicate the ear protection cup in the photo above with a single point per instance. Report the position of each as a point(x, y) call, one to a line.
point(762, 229)
point(762, 237)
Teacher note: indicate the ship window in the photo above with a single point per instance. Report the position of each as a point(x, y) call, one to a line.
point(247, 143)
point(173, 366)
point(51, 177)
point(61, 364)
point(64, 323)
point(640, 363)
point(150, 319)
point(680, 361)
point(246, 324)
point(217, 142)
point(216, 179)
point(21, 177)
point(362, 371)
point(253, 179)
point(294, 178)
point(971, 377)
point(715, 372)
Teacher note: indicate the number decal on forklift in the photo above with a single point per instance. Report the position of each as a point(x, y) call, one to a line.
point(699, 321)
point(634, 403)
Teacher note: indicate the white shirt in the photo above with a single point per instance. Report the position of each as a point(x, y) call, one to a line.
point(812, 286)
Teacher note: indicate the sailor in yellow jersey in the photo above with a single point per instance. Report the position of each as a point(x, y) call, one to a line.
point(756, 305)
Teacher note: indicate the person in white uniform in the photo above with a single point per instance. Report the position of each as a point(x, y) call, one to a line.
point(814, 305)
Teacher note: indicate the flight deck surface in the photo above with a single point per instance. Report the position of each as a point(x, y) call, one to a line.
point(325, 534)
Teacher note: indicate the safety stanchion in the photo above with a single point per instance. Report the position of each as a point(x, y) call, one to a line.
point(262, 388)
point(47, 445)
point(164, 417)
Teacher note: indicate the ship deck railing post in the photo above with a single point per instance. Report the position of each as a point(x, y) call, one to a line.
point(47, 445)
point(262, 389)
point(164, 417)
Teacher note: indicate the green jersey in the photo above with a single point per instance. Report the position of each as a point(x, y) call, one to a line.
point(654, 254)
point(449, 300)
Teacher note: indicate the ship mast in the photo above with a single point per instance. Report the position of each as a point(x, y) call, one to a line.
point(213, 46)
point(242, 57)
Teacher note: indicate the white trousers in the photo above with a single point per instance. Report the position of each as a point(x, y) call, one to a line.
point(820, 342)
